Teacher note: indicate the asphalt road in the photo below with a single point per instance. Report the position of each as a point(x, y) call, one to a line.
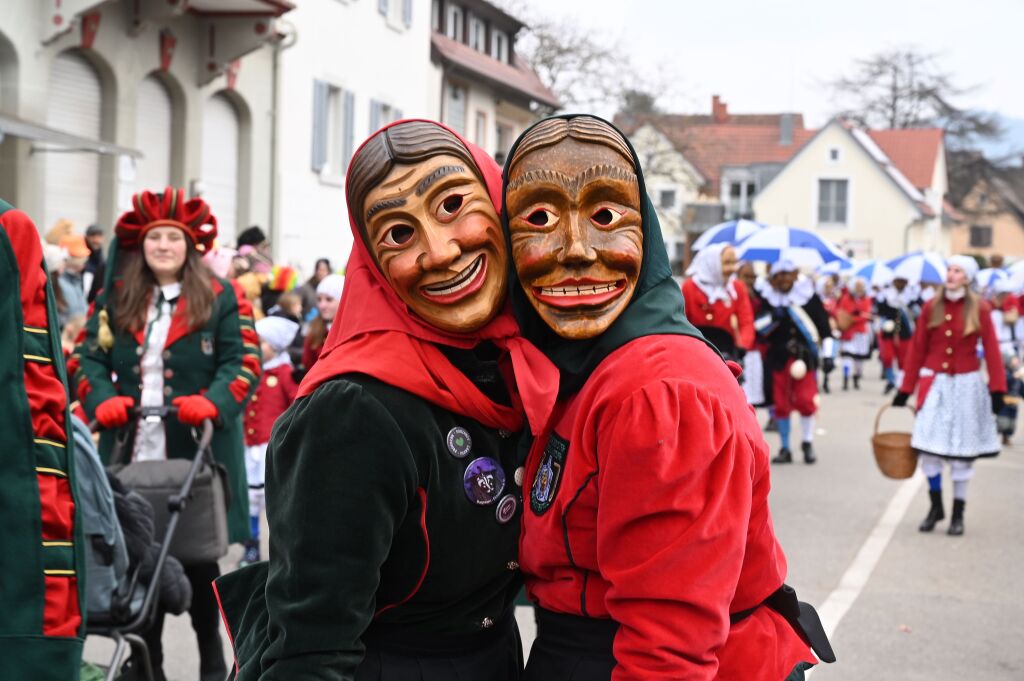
point(901, 605)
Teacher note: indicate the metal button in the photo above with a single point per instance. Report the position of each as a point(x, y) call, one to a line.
point(512, 565)
point(949, 332)
point(251, 431)
point(138, 351)
point(166, 354)
point(949, 317)
point(949, 351)
point(135, 370)
point(945, 365)
point(255, 398)
point(504, 434)
point(168, 373)
point(518, 476)
point(167, 390)
point(252, 413)
point(709, 316)
point(487, 623)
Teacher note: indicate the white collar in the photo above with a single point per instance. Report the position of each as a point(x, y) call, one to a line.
point(282, 359)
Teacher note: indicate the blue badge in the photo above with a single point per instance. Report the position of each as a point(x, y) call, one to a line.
point(549, 474)
point(459, 442)
point(506, 509)
point(484, 481)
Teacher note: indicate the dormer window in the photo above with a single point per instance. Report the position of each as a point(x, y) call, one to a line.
point(477, 34)
point(499, 46)
point(453, 23)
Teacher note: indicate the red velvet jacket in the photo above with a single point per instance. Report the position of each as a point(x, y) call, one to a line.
point(701, 313)
point(649, 505)
point(859, 309)
point(944, 349)
point(274, 395)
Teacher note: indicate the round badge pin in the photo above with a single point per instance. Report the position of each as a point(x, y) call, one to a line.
point(518, 476)
point(506, 509)
point(484, 481)
point(459, 442)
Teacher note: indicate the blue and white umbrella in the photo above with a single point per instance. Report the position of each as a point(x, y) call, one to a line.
point(731, 232)
point(874, 272)
point(987, 277)
point(835, 267)
point(919, 268)
point(803, 248)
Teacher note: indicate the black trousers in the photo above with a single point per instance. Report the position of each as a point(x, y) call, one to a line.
point(205, 622)
point(571, 648)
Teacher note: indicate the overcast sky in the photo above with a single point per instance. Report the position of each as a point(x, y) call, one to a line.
point(772, 55)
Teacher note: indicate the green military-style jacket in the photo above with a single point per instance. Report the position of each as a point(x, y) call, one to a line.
point(42, 573)
point(377, 539)
point(221, 361)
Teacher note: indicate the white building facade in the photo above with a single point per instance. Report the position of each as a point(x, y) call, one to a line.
point(99, 100)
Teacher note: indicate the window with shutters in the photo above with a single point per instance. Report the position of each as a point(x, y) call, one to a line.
point(382, 113)
point(453, 23)
point(981, 236)
point(477, 34)
point(455, 108)
point(398, 13)
point(832, 202)
point(480, 129)
point(504, 134)
point(499, 46)
point(333, 132)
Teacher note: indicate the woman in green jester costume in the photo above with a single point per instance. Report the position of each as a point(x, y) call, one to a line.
point(394, 483)
point(169, 333)
point(41, 547)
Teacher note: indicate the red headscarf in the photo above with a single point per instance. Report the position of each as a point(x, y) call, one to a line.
point(374, 333)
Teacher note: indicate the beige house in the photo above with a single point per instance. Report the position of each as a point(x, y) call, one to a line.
point(877, 194)
point(990, 201)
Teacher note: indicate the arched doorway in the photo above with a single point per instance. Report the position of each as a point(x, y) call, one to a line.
point(74, 105)
point(219, 172)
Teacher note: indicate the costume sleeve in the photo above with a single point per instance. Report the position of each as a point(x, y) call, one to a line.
point(340, 479)
point(744, 317)
point(238, 355)
point(675, 485)
point(993, 355)
point(92, 364)
point(918, 350)
point(816, 309)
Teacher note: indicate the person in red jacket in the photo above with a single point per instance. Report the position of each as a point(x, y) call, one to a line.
point(718, 304)
point(954, 423)
point(647, 544)
point(328, 296)
point(854, 308)
point(274, 394)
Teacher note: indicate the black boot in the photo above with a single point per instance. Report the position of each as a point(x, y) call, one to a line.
point(772, 426)
point(784, 456)
point(856, 381)
point(935, 513)
point(956, 523)
point(889, 387)
point(824, 385)
point(846, 382)
point(808, 450)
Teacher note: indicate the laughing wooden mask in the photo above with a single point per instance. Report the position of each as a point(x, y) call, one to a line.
point(573, 205)
point(427, 220)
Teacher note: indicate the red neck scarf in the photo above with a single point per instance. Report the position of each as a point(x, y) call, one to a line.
point(375, 334)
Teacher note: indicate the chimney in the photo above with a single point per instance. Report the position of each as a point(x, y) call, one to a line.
point(786, 124)
point(719, 110)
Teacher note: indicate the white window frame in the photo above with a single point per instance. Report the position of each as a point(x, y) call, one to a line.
point(480, 129)
point(333, 134)
point(459, 127)
point(848, 218)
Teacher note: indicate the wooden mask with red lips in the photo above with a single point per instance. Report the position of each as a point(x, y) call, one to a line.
point(574, 218)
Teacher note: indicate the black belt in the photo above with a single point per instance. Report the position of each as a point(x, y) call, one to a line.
point(401, 639)
point(801, 616)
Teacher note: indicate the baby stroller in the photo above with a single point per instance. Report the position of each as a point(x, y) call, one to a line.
point(123, 599)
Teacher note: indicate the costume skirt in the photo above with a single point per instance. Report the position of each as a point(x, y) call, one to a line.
point(956, 419)
point(858, 346)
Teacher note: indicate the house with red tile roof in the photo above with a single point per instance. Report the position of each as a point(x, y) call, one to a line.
point(701, 169)
point(875, 193)
point(488, 93)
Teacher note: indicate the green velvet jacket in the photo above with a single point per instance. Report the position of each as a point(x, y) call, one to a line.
point(221, 360)
point(42, 574)
point(373, 536)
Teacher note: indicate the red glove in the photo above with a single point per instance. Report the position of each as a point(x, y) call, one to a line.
point(193, 409)
point(113, 412)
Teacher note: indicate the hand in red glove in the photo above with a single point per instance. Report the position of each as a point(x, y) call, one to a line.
point(193, 409)
point(113, 412)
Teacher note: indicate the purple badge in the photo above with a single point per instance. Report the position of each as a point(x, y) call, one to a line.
point(506, 509)
point(484, 480)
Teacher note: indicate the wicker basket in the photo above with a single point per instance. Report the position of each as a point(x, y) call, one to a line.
point(893, 453)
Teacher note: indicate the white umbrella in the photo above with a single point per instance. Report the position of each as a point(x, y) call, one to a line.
point(987, 277)
point(919, 268)
point(875, 272)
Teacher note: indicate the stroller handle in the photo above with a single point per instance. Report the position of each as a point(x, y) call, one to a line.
point(162, 412)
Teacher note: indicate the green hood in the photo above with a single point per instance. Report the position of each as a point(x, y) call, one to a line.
point(655, 308)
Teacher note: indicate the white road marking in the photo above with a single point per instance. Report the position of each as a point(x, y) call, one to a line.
point(859, 572)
